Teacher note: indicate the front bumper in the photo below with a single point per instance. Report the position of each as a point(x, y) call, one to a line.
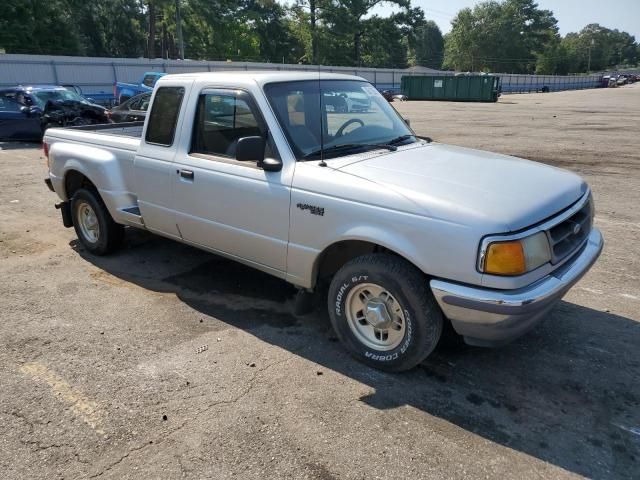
point(487, 317)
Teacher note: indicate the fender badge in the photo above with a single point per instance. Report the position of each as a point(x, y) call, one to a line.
point(314, 210)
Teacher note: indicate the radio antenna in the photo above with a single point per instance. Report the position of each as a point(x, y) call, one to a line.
point(322, 162)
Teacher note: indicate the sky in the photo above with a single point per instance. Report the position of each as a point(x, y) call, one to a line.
point(572, 15)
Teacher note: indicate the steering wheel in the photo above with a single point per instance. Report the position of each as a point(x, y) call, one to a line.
point(351, 121)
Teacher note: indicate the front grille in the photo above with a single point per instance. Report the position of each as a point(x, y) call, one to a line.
point(571, 233)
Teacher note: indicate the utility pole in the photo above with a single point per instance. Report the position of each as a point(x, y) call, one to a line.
point(314, 33)
point(179, 30)
point(589, 63)
point(151, 45)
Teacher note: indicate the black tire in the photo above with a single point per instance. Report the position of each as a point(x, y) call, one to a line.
point(409, 287)
point(110, 234)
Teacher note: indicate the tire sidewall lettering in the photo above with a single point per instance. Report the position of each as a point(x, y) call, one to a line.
point(343, 289)
point(378, 356)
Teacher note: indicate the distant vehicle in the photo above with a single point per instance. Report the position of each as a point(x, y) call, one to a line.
point(50, 105)
point(101, 98)
point(125, 91)
point(629, 77)
point(389, 96)
point(344, 103)
point(335, 103)
point(609, 81)
point(622, 80)
point(133, 110)
point(19, 122)
point(357, 102)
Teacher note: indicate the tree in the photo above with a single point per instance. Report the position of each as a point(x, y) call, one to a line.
point(624, 48)
point(44, 27)
point(423, 38)
point(556, 59)
point(115, 28)
point(462, 43)
point(315, 7)
point(270, 23)
point(428, 45)
point(349, 14)
point(498, 36)
point(382, 44)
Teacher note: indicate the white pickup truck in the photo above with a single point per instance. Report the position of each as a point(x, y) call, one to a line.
point(267, 169)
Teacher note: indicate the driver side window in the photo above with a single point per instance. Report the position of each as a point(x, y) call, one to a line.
point(221, 120)
point(9, 105)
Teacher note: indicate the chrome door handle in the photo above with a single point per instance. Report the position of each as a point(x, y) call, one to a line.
point(188, 174)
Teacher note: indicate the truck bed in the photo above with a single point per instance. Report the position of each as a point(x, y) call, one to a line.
point(125, 136)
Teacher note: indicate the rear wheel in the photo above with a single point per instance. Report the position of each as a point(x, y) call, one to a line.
point(383, 311)
point(93, 224)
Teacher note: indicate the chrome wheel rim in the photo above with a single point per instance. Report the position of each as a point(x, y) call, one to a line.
point(88, 222)
point(375, 317)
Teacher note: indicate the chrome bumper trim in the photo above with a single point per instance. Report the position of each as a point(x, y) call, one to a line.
point(487, 316)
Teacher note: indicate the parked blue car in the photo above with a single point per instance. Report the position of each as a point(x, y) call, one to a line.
point(27, 111)
point(125, 91)
point(19, 122)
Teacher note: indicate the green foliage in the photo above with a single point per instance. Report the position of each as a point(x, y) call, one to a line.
point(425, 45)
point(557, 58)
point(496, 35)
point(382, 44)
point(517, 36)
point(39, 27)
point(428, 45)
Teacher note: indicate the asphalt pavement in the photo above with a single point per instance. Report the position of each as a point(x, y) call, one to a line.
point(162, 361)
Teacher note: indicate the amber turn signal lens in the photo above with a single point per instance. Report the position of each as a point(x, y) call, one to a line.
point(505, 258)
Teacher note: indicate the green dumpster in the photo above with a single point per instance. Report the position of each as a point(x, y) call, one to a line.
point(463, 88)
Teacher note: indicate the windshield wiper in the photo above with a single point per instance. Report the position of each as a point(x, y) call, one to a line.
point(399, 139)
point(350, 146)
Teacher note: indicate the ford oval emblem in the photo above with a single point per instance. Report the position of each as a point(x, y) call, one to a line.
point(576, 229)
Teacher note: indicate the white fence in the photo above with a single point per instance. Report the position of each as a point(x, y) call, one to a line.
point(96, 76)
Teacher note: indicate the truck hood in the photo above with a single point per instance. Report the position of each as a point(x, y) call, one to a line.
point(455, 183)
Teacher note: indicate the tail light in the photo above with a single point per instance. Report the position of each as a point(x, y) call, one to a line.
point(45, 150)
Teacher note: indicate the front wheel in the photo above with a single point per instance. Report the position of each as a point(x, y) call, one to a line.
point(383, 312)
point(93, 224)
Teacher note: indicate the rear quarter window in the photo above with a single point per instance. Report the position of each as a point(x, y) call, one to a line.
point(163, 117)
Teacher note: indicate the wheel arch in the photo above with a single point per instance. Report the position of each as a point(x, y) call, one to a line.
point(74, 180)
point(336, 254)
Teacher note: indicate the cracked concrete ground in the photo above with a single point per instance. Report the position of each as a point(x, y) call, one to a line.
point(162, 361)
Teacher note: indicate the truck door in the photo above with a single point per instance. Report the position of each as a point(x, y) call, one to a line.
point(153, 164)
point(228, 205)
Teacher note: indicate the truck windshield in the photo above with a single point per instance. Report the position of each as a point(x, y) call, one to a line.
point(333, 118)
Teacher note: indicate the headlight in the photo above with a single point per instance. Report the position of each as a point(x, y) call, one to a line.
point(516, 257)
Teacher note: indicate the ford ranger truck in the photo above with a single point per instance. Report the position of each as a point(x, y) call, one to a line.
point(406, 233)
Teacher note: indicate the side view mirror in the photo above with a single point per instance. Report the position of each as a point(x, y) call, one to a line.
point(251, 149)
point(32, 110)
point(270, 164)
point(407, 121)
